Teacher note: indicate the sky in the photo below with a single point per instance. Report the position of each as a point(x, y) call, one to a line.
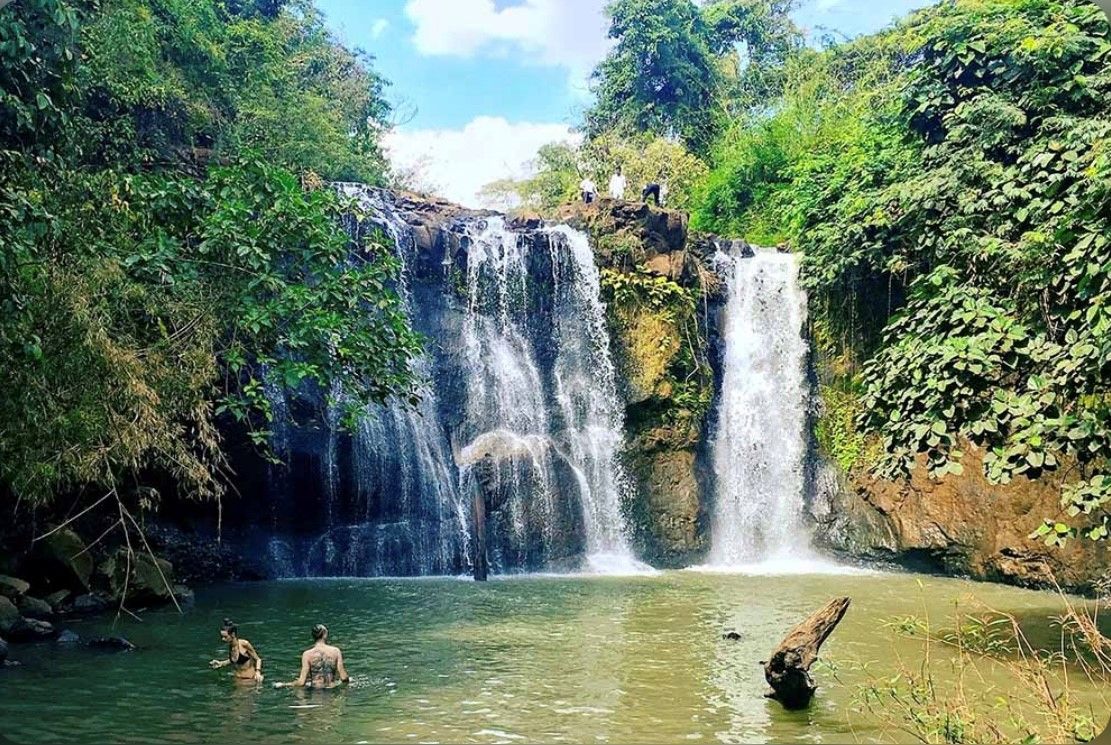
point(479, 85)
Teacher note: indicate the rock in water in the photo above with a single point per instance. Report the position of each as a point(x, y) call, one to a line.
point(30, 630)
point(13, 588)
point(60, 560)
point(35, 608)
point(58, 600)
point(91, 603)
point(112, 644)
point(68, 637)
point(788, 670)
point(732, 635)
point(148, 579)
point(185, 596)
point(9, 615)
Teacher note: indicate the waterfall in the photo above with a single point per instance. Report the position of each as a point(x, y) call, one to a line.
point(518, 404)
point(541, 389)
point(759, 446)
point(401, 512)
point(586, 388)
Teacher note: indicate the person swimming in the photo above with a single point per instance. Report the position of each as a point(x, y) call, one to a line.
point(321, 664)
point(241, 655)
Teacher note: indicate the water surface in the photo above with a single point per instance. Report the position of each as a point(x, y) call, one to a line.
point(583, 659)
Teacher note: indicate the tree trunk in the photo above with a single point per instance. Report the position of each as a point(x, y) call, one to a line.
point(787, 672)
point(481, 568)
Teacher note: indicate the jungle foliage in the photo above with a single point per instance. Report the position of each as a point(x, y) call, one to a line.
point(161, 259)
point(680, 69)
point(948, 184)
point(560, 167)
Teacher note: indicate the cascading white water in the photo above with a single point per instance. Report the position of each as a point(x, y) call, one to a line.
point(760, 443)
point(524, 412)
point(506, 415)
point(408, 518)
point(403, 448)
point(530, 421)
point(586, 389)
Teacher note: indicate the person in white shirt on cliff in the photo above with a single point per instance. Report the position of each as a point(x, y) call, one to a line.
point(589, 190)
point(618, 184)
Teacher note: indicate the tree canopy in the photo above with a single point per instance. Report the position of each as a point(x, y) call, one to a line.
point(676, 69)
point(163, 251)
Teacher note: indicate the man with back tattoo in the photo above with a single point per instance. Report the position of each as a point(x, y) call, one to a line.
point(321, 664)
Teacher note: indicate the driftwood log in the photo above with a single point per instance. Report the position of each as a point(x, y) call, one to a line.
point(788, 669)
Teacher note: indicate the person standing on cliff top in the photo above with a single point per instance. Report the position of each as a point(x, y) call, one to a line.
point(618, 184)
point(589, 190)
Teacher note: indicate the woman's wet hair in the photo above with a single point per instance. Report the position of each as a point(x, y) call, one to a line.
point(318, 631)
point(230, 626)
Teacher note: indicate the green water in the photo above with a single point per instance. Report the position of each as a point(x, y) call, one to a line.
point(538, 659)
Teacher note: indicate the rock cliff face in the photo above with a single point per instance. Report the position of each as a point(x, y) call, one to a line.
point(667, 351)
point(961, 525)
point(365, 502)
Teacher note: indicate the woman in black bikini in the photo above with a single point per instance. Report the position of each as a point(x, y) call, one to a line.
point(241, 655)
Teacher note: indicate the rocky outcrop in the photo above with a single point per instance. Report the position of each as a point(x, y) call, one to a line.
point(543, 533)
point(9, 615)
point(140, 578)
point(664, 375)
point(61, 561)
point(650, 231)
point(16, 628)
point(13, 588)
point(670, 512)
point(961, 525)
point(32, 607)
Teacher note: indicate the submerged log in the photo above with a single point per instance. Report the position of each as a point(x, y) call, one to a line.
point(788, 670)
point(481, 568)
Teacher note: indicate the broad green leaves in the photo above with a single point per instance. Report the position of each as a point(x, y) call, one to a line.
point(145, 295)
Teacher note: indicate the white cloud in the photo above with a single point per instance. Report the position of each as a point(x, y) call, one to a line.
point(379, 27)
point(561, 33)
point(459, 162)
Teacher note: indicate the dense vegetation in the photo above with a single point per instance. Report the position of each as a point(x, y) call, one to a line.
point(947, 183)
point(163, 253)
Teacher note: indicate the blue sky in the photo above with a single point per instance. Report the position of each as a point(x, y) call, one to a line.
point(479, 85)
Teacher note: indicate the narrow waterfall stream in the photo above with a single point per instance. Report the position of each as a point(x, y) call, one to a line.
point(404, 449)
point(586, 388)
point(760, 444)
point(404, 515)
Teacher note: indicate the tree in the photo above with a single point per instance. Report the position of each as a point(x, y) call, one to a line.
point(661, 76)
point(671, 67)
point(147, 294)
